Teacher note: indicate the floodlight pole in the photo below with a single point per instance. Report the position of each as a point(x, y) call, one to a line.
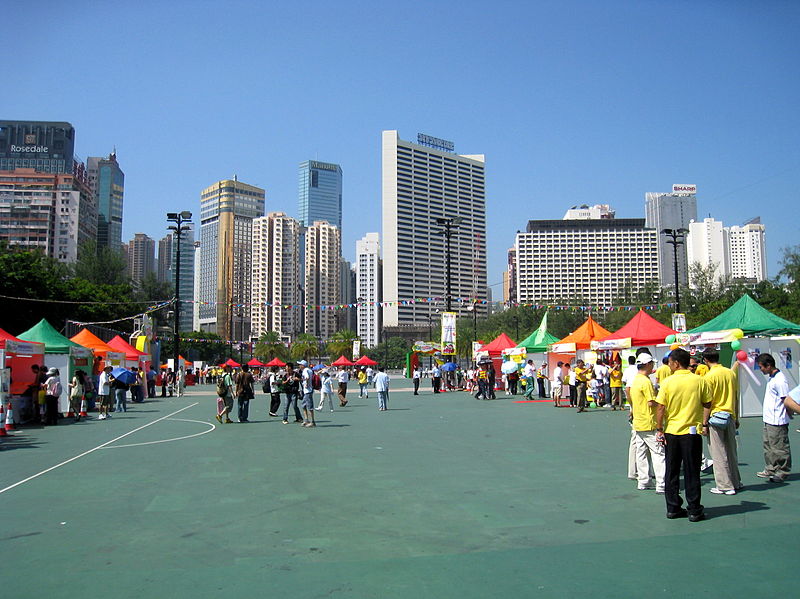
point(675, 238)
point(180, 219)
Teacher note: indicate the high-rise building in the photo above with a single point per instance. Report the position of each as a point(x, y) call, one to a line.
point(53, 212)
point(107, 182)
point(421, 182)
point(510, 277)
point(163, 273)
point(707, 245)
point(671, 211)
point(46, 147)
point(594, 261)
point(347, 318)
point(141, 257)
point(748, 251)
point(227, 210)
point(368, 288)
point(320, 193)
point(322, 273)
point(186, 284)
point(276, 276)
point(196, 288)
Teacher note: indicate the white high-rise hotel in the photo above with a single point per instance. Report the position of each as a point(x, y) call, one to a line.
point(368, 288)
point(422, 182)
point(736, 252)
point(276, 275)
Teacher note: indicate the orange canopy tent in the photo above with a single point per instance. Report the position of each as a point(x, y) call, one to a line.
point(88, 339)
point(496, 347)
point(583, 336)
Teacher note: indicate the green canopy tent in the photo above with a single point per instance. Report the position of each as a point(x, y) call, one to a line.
point(748, 315)
point(54, 342)
point(538, 341)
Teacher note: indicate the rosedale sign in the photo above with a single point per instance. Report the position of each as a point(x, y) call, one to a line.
point(30, 149)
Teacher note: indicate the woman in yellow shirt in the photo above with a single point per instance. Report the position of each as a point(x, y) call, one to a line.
point(616, 386)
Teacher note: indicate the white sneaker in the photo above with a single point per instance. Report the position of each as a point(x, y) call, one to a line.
point(717, 491)
point(101, 417)
point(706, 465)
point(319, 409)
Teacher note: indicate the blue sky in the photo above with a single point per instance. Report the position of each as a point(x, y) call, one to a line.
point(571, 102)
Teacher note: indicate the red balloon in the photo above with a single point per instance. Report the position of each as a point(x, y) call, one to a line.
point(741, 355)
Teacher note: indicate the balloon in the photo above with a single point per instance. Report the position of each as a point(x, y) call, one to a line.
point(741, 355)
point(670, 339)
point(675, 346)
point(738, 333)
point(736, 344)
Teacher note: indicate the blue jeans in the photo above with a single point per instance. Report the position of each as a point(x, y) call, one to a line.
point(383, 397)
point(122, 400)
point(291, 399)
point(529, 386)
point(244, 409)
point(363, 390)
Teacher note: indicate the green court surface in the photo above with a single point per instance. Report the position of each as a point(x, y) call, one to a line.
point(441, 496)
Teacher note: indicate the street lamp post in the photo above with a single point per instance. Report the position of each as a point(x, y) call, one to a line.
point(448, 225)
point(181, 220)
point(675, 237)
point(474, 309)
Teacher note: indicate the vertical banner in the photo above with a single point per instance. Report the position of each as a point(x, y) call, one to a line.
point(476, 347)
point(356, 349)
point(448, 333)
point(679, 322)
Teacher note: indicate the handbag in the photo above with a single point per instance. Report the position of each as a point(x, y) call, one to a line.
point(719, 419)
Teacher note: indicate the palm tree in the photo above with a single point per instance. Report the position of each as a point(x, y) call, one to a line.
point(342, 344)
point(269, 346)
point(304, 346)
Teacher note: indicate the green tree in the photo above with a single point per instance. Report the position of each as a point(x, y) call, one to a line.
point(198, 345)
point(269, 346)
point(391, 353)
point(342, 344)
point(305, 346)
point(100, 265)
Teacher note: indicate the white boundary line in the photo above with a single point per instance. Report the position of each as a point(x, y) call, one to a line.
point(213, 426)
point(38, 474)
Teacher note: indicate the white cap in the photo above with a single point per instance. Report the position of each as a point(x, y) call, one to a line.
point(303, 363)
point(643, 359)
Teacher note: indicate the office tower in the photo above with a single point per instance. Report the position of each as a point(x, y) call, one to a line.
point(421, 182)
point(107, 183)
point(227, 210)
point(368, 288)
point(196, 288)
point(671, 211)
point(320, 193)
point(748, 251)
point(276, 276)
point(53, 212)
point(322, 273)
point(347, 318)
point(592, 261)
point(165, 260)
point(46, 147)
point(186, 282)
point(510, 277)
point(707, 246)
point(141, 257)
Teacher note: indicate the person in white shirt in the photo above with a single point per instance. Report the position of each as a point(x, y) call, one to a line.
point(604, 382)
point(557, 384)
point(327, 390)
point(382, 388)
point(307, 385)
point(416, 377)
point(436, 378)
point(529, 373)
point(777, 452)
point(104, 392)
point(344, 377)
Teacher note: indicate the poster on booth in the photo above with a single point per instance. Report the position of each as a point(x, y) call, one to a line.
point(448, 333)
point(516, 354)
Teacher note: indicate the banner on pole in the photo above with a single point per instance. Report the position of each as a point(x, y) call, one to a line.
point(448, 333)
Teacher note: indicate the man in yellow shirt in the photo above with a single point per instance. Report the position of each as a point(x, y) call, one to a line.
point(724, 387)
point(581, 381)
point(663, 371)
point(643, 412)
point(679, 420)
point(696, 365)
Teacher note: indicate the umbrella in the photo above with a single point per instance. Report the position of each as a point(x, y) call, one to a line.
point(275, 362)
point(124, 376)
point(509, 366)
point(449, 366)
point(319, 367)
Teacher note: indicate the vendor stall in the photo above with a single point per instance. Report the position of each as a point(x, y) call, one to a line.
point(18, 381)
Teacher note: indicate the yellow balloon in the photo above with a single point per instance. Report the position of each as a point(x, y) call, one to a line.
point(738, 333)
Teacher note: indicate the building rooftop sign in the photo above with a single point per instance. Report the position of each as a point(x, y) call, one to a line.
point(435, 143)
point(684, 189)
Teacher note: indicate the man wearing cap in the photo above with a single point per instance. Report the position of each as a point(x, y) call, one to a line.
point(679, 420)
point(643, 412)
point(724, 388)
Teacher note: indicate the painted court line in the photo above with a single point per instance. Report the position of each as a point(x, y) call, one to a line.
point(212, 427)
point(85, 453)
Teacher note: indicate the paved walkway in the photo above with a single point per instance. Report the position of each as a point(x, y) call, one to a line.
point(441, 496)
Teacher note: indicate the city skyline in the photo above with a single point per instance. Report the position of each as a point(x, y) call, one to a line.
point(571, 104)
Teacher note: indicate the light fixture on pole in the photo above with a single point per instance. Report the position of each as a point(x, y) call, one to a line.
point(182, 221)
point(676, 237)
point(448, 225)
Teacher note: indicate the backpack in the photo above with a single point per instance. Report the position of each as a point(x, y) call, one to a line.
point(316, 382)
point(222, 388)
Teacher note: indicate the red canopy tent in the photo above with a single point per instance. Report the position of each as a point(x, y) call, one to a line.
point(255, 363)
point(275, 362)
point(342, 361)
point(21, 364)
point(5, 336)
point(642, 329)
point(366, 361)
point(120, 345)
point(230, 362)
point(496, 347)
